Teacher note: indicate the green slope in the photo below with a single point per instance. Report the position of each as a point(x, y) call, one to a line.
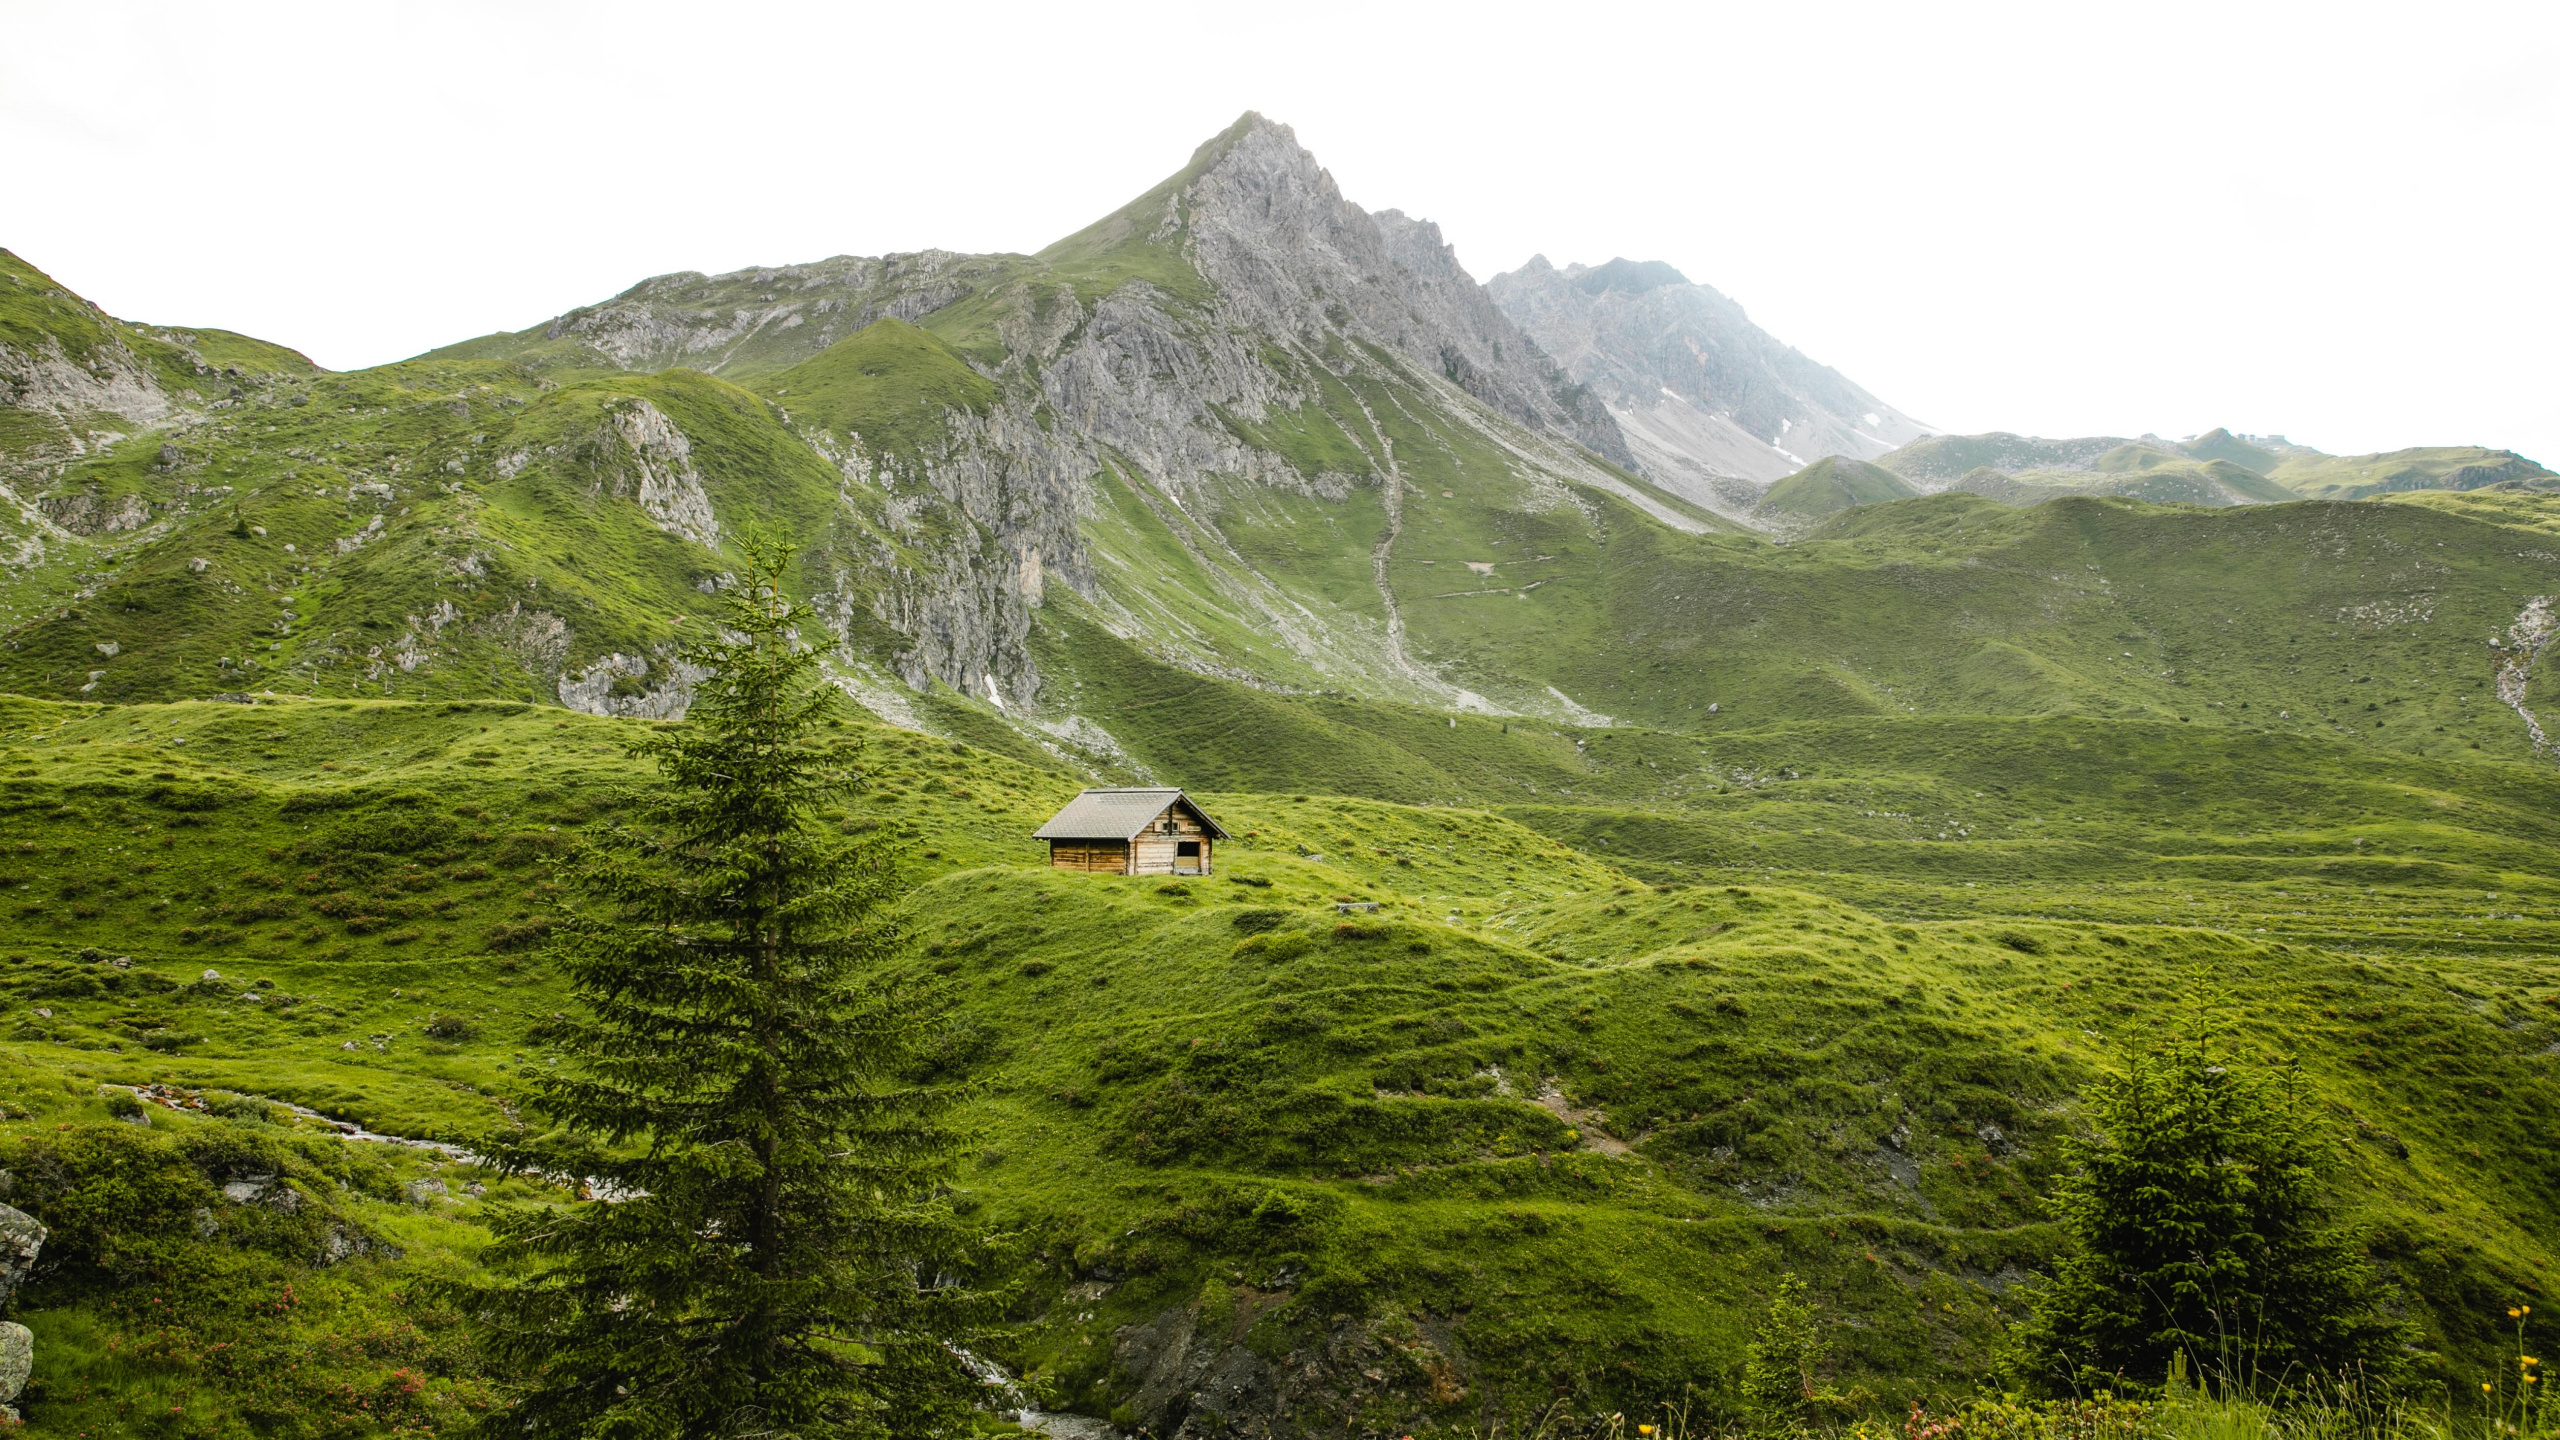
point(1834, 484)
point(1221, 1104)
point(888, 388)
point(422, 529)
point(76, 379)
point(2220, 444)
point(2445, 467)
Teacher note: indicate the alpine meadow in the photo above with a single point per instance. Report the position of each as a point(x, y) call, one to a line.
point(1713, 905)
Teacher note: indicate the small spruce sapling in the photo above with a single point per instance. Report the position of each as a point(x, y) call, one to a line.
point(2199, 1222)
point(1781, 1385)
point(765, 1254)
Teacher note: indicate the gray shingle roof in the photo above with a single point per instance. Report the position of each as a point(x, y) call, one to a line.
point(1117, 815)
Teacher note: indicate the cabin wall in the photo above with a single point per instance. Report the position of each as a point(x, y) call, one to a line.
point(1160, 854)
point(1093, 857)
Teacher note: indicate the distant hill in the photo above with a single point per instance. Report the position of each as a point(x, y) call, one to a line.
point(1831, 485)
point(2215, 468)
point(2446, 467)
point(2219, 444)
point(1933, 460)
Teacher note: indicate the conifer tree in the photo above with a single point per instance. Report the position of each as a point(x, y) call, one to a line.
point(765, 1256)
point(2199, 1221)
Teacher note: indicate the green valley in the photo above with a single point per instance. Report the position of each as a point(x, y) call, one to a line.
point(1641, 887)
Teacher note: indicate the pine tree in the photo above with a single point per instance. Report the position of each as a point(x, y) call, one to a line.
point(766, 1257)
point(2199, 1221)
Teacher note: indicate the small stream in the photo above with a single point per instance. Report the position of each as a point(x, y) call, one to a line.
point(171, 1097)
point(1008, 1392)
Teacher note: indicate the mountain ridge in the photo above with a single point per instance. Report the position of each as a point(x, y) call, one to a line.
point(1715, 406)
point(1239, 426)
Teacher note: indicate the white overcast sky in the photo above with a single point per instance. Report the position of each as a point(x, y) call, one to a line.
point(2335, 221)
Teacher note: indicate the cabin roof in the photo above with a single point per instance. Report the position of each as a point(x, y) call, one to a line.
point(1118, 815)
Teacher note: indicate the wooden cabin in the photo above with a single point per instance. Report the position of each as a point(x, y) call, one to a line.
point(1131, 832)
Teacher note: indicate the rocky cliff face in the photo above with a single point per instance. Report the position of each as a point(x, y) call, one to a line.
point(1244, 291)
point(1704, 397)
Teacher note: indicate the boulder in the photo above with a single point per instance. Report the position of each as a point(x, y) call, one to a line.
point(17, 1361)
point(20, 1238)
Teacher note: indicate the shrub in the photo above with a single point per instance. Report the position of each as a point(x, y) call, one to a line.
point(451, 1027)
point(507, 935)
point(1781, 1388)
point(248, 1109)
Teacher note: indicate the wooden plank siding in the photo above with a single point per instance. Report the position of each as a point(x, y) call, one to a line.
point(1094, 857)
point(1158, 849)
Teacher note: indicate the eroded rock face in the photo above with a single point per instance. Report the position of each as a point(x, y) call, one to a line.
point(86, 512)
point(1194, 1381)
point(633, 687)
point(661, 470)
point(767, 316)
point(111, 380)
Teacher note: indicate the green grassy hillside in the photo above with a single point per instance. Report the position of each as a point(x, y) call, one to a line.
point(1831, 485)
point(1534, 1128)
point(2444, 467)
point(2220, 444)
point(1743, 907)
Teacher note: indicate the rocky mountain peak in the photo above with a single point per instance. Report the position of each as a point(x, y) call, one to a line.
point(1632, 277)
point(1271, 232)
point(1711, 405)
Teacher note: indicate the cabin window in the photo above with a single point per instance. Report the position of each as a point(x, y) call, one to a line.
point(1186, 849)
